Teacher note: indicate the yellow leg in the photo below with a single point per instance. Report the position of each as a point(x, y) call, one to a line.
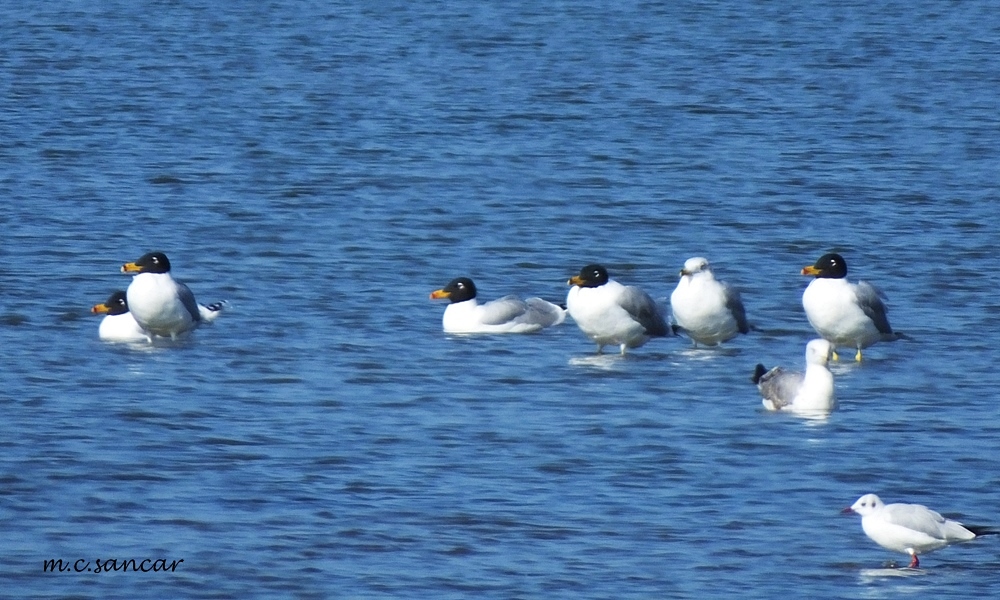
point(857, 356)
point(835, 355)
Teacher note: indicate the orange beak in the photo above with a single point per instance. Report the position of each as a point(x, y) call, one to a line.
point(438, 294)
point(575, 280)
point(100, 309)
point(131, 268)
point(810, 270)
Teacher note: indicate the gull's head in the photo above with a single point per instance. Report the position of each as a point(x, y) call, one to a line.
point(151, 262)
point(828, 266)
point(458, 290)
point(818, 352)
point(590, 276)
point(866, 505)
point(696, 264)
point(117, 304)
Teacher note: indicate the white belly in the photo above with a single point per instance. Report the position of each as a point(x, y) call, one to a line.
point(153, 301)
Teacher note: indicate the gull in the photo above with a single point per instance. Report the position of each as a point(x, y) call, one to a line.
point(845, 313)
point(808, 394)
point(509, 314)
point(611, 313)
point(911, 528)
point(118, 325)
point(708, 311)
point(161, 305)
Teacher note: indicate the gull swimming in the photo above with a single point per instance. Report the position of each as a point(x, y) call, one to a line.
point(810, 393)
point(911, 528)
point(845, 313)
point(118, 325)
point(509, 314)
point(707, 310)
point(610, 313)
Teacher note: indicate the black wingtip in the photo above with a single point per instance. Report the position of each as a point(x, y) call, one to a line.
point(758, 372)
point(982, 530)
point(217, 306)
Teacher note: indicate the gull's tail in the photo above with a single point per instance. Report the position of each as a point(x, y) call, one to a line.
point(211, 311)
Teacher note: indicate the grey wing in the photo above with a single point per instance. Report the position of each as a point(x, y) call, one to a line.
point(735, 306)
point(503, 310)
point(780, 386)
point(187, 299)
point(870, 301)
point(545, 312)
point(644, 310)
point(914, 516)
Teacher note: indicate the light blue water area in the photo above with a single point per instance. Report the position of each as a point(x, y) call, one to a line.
point(324, 165)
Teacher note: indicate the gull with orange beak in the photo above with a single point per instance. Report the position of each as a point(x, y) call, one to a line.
point(161, 305)
point(509, 314)
point(841, 312)
point(611, 313)
point(118, 325)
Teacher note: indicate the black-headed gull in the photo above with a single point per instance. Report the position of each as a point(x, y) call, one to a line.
point(509, 314)
point(707, 310)
point(610, 313)
point(161, 305)
point(845, 313)
point(118, 325)
point(911, 528)
point(809, 393)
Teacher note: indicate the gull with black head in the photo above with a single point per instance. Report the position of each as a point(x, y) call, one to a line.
point(509, 314)
point(118, 324)
point(844, 313)
point(610, 313)
point(161, 305)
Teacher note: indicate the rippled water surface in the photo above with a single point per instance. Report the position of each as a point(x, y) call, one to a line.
point(324, 165)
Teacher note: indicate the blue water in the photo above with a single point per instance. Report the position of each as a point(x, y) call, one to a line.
point(324, 165)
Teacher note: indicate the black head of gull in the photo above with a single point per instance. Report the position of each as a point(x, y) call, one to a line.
point(829, 266)
point(459, 289)
point(116, 304)
point(151, 262)
point(590, 276)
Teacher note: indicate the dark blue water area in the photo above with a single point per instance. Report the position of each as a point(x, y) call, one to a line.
point(324, 165)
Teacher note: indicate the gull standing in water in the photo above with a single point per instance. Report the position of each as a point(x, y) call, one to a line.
point(708, 311)
point(611, 313)
point(911, 528)
point(845, 313)
point(161, 305)
point(509, 314)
